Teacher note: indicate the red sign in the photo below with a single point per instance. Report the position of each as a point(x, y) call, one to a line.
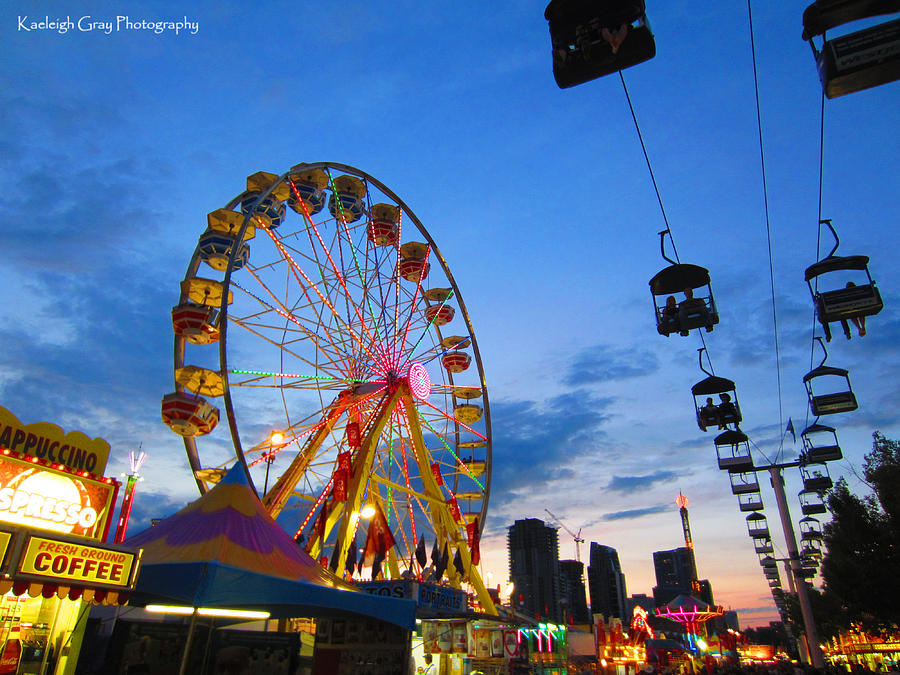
point(353, 434)
point(339, 486)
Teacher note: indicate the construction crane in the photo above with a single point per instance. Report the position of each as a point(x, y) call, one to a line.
point(577, 537)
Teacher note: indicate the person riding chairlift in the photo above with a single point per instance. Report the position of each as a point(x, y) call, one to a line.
point(709, 414)
point(727, 411)
point(858, 321)
point(690, 305)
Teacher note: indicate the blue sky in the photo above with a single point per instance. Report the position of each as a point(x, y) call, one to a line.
point(117, 145)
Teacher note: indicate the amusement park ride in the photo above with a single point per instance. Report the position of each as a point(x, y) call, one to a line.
point(346, 334)
point(594, 39)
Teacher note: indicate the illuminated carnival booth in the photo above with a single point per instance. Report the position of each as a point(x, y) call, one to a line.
point(223, 558)
point(55, 510)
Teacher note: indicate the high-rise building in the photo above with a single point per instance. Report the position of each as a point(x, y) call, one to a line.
point(676, 575)
point(571, 574)
point(534, 569)
point(606, 582)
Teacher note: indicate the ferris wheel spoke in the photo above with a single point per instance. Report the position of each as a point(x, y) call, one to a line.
point(297, 270)
point(277, 497)
point(323, 345)
point(412, 314)
point(337, 365)
point(312, 229)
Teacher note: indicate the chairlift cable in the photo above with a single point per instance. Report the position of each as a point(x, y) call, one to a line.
point(762, 161)
point(812, 345)
point(649, 166)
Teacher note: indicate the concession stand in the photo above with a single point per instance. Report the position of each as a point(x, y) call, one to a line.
point(55, 512)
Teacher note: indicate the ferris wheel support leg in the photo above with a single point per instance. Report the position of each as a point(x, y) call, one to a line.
point(441, 512)
point(275, 499)
point(360, 470)
point(393, 565)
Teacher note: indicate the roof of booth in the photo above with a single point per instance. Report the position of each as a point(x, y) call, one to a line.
point(224, 549)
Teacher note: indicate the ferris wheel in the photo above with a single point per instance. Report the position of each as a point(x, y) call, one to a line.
point(344, 361)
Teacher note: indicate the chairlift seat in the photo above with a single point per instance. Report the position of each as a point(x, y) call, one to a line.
point(835, 402)
point(742, 483)
point(823, 15)
point(817, 483)
point(826, 452)
point(733, 450)
point(829, 404)
point(763, 545)
point(813, 509)
point(750, 501)
point(581, 52)
point(861, 60)
point(695, 313)
point(811, 503)
point(848, 303)
point(757, 526)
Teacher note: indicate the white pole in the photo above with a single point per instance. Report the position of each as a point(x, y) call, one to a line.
point(812, 638)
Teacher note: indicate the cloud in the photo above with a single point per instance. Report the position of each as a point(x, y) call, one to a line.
point(631, 514)
point(152, 505)
point(602, 363)
point(632, 484)
point(535, 443)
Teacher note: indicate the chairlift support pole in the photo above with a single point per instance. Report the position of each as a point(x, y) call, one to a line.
point(812, 637)
point(795, 581)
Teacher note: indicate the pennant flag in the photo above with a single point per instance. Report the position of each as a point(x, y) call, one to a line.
point(350, 565)
point(359, 566)
point(441, 564)
point(458, 564)
point(376, 566)
point(421, 557)
point(435, 553)
point(790, 427)
point(334, 559)
point(343, 463)
point(474, 536)
point(379, 538)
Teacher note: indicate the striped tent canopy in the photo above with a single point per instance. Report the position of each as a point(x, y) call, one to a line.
point(224, 550)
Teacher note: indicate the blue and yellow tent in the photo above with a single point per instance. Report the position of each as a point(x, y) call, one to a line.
point(225, 551)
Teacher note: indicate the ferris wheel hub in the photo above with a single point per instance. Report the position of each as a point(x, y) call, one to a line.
point(419, 381)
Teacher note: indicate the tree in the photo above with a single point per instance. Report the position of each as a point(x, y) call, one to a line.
point(861, 567)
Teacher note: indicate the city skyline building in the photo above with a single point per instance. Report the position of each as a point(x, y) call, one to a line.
point(573, 591)
point(676, 575)
point(533, 548)
point(606, 582)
